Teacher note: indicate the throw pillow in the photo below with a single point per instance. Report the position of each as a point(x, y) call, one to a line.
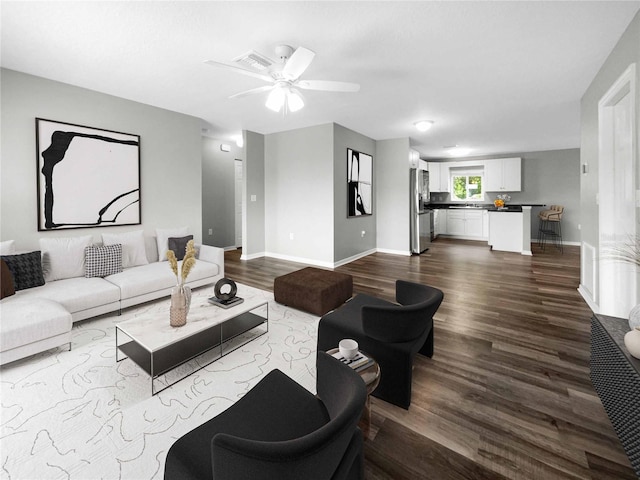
point(162, 237)
point(6, 281)
point(133, 251)
point(26, 269)
point(103, 261)
point(7, 247)
point(179, 245)
point(63, 257)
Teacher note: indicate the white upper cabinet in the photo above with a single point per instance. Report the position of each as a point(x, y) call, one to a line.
point(438, 177)
point(503, 175)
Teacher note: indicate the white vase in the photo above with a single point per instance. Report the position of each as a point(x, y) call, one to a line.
point(634, 317)
point(632, 342)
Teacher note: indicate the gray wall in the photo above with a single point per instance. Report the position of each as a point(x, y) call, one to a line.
point(299, 194)
point(348, 240)
point(218, 192)
point(626, 52)
point(393, 196)
point(170, 155)
point(550, 177)
point(253, 179)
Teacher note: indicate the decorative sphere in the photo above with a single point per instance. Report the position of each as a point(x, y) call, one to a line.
point(634, 317)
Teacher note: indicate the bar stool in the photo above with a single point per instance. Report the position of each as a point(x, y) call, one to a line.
point(550, 226)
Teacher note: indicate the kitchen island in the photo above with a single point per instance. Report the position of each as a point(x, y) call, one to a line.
point(506, 229)
point(510, 229)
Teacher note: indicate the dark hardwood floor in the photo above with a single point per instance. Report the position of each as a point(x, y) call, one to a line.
point(507, 393)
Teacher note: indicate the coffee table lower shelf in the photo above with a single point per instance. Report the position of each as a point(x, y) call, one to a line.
point(226, 337)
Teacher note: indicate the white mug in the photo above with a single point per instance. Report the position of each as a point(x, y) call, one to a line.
point(348, 348)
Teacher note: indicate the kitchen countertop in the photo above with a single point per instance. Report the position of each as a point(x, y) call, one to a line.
point(511, 207)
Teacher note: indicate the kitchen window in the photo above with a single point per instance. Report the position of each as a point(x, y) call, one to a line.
point(466, 185)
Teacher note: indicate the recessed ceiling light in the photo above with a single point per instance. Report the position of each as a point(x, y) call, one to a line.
point(424, 125)
point(457, 151)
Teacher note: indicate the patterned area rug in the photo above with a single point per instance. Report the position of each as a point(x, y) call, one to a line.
point(80, 415)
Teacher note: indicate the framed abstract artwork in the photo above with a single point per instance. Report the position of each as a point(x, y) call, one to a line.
point(359, 183)
point(87, 177)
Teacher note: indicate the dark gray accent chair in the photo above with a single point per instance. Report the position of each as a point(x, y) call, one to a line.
point(279, 430)
point(391, 333)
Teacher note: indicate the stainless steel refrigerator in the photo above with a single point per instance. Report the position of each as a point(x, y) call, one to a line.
point(421, 214)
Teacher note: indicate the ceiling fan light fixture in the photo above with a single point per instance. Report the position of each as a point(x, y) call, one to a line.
point(276, 99)
point(294, 100)
point(424, 125)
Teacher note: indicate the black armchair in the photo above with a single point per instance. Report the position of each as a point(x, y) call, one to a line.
point(280, 430)
point(391, 333)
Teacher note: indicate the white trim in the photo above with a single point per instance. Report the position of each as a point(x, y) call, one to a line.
point(229, 248)
point(405, 253)
point(344, 261)
point(290, 258)
point(252, 256)
point(587, 298)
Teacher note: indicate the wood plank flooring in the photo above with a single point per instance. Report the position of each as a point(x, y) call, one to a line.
point(507, 393)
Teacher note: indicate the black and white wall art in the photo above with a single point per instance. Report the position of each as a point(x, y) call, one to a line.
point(359, 183)
point(86, 177)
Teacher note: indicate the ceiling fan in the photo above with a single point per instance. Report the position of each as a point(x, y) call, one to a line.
point(283, 76)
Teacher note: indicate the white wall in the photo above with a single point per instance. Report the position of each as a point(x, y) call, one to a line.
point(626, 52)
point(392, 203)
point(170, 155)
point(299, 194)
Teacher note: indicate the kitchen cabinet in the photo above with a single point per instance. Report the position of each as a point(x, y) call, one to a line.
point(438, 177)
point(465, 223)
point(503, 175)
point(440, 221)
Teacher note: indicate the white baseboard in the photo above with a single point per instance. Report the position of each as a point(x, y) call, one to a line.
point(308, 261)
point(344, 261)
point(393, 252)
point(252, 256)
point(587, 298)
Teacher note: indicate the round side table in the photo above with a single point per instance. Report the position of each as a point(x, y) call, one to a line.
point(371, 377)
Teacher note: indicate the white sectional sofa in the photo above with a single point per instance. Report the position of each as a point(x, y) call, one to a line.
point(40, 318)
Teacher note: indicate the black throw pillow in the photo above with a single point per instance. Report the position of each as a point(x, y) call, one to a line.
point(179, 245)
point(26, 269)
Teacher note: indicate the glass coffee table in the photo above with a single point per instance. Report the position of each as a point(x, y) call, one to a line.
point(371, 377)
point(209, 334)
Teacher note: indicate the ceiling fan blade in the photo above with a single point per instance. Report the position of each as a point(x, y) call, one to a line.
point(252, 91)
point(328, 85)
point(213, 63)
point(297, 63)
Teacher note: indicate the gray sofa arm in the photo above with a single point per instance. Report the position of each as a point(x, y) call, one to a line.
point(212, 255)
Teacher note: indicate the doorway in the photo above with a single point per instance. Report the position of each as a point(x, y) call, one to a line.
point(617, 185)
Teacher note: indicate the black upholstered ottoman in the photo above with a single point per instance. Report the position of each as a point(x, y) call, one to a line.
point(313, 290)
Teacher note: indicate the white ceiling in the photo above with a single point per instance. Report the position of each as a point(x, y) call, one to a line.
point(498, 77)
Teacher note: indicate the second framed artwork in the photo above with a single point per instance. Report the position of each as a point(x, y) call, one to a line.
point(359, 183)
point(87, 177)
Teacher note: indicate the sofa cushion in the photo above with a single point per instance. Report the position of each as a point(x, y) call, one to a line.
point(179, 245)
point(162, 237)
point(76, 294)
point(103, 261)
point(156, 276)
point(63, 257)
point(6, 281)
point(26, 269)
point(133, 248)
point(30, 320)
